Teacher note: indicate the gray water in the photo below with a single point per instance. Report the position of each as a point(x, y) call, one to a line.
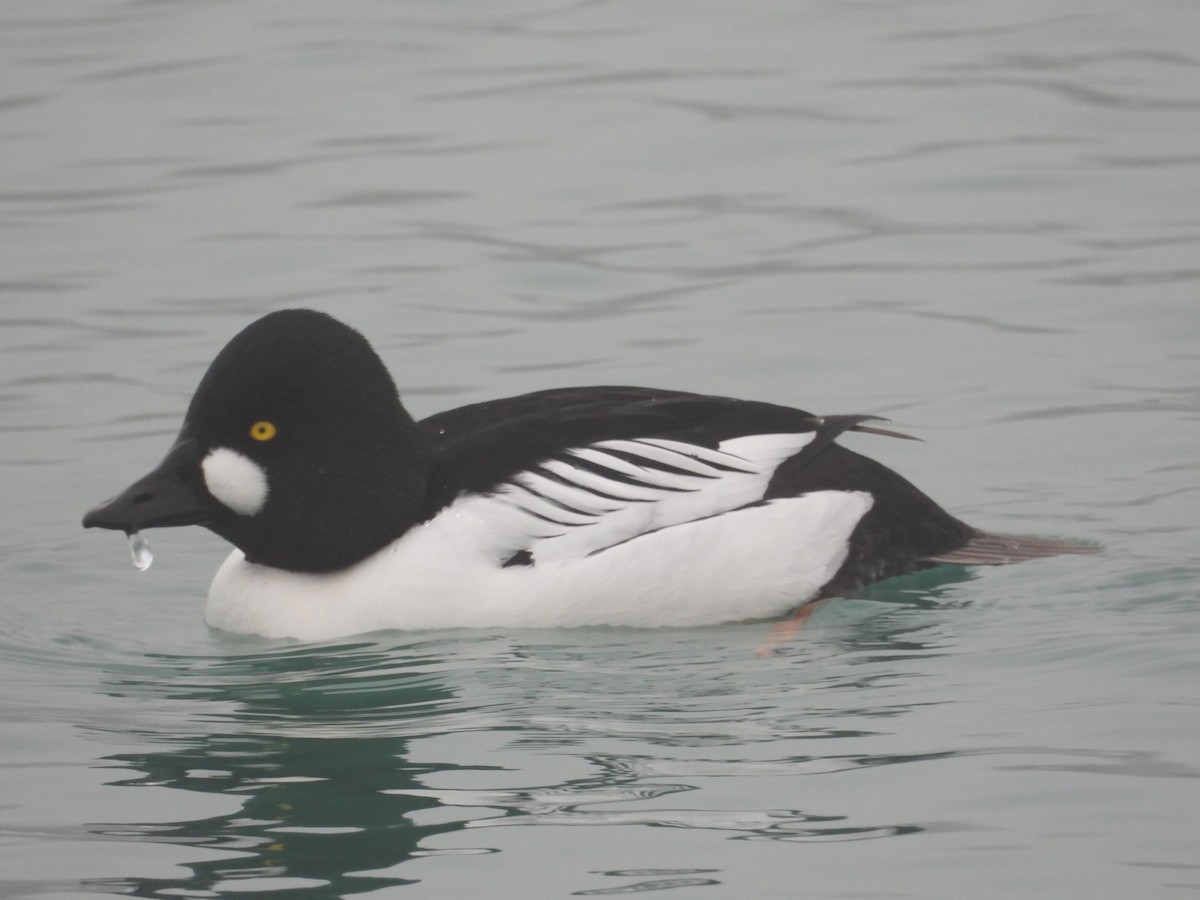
point(979, 220)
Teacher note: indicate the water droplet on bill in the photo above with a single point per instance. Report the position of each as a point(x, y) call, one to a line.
point(143, 556)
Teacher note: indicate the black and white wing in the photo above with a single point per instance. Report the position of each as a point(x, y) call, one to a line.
point(586, 499)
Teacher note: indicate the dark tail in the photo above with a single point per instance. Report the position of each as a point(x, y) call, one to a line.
point(986, 549)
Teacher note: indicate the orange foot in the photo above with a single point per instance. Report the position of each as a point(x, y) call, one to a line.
point(786, 630)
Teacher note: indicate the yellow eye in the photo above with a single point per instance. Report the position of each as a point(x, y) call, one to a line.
point(263, 430)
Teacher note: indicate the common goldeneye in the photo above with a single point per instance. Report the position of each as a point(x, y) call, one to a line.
point(571, 506)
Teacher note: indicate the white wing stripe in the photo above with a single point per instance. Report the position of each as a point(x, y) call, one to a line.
point(575, 497)
point(545, 509)
point(702, 461)
point(605, 488)
point(703, 456)
point(641, 475)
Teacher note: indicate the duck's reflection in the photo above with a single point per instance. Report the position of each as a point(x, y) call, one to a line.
point(321, 793)
point(311, 749)
point(312, 811)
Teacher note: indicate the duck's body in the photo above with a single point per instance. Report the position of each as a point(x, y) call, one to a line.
point(576, 506)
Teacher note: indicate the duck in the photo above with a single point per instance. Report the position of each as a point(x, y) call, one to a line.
point(571, 506)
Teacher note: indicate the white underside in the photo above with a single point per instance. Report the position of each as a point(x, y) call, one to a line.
point(750, 563)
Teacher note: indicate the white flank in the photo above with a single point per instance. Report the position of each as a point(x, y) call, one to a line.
point(236, 480)
point(751, 563)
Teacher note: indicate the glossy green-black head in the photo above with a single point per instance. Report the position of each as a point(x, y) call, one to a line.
point(295, 448)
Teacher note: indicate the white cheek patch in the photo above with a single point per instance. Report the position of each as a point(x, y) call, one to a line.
point(235, 480)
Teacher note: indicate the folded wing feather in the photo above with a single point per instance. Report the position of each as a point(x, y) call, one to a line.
point(590, 498)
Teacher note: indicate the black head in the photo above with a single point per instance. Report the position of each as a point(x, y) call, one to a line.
point(295, 448)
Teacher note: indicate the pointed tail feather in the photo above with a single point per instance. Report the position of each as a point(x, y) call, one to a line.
point(986, 549)
point(833, 426)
